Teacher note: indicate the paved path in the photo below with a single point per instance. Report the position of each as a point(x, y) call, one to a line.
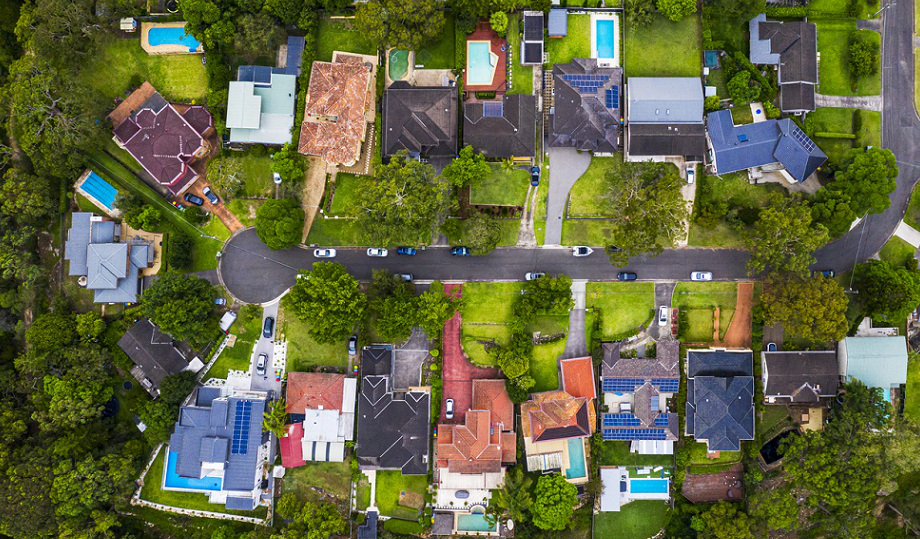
point(865, 102)
point(575, 343)
point(908, 234)
point(869, 24)
point(566, 166)
point(265, 346)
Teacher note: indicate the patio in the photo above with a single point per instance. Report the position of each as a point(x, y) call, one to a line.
point(498, 48)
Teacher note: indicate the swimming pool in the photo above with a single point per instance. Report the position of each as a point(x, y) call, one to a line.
point(398, 64)
point(605, 32)
point(576, 468)
point(100, 189)
point(474, 522)
point(480, 67)
point(172, 479)
point(160, 35)
point(648, 486)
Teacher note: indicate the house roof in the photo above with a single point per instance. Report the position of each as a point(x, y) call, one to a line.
point(581, 116)
point(392, 428)
point(78, 239)
point(153, 351)
point(262, 113)
point(533, 26)
point(663, 366)
point(334, 118)
point(720, 363)
point(368, 530)
point(556, 415)
point(314, 391)
point(876, 361)
point(577, 377)
point(665, 100)
point(486, 438)
point(491, 395)
point(792, 46)
point(611, 477)
point(501, 129)
point(688, 140)
point(558, 23)
point(797, 97)
point(800, 376)
point(291, 445)
point(421, 120)
point(720, 410)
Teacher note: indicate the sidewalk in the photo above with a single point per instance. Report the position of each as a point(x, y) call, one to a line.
point(909, 234)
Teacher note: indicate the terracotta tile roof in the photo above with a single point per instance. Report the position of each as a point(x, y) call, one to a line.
point(557, 415)
point(314, 391)
point(491, 395)
point(334, 122)
point(486, 439)
point(578, 377)
point(291, 447)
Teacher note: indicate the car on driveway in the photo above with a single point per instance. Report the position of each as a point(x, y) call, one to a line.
point(260, 366)
point(581, 250)
point(408, 251)
point(268, 327)
point(449, 409)
point(663, 316)
point(535, 176)
point(211, 196)
point(691, 175)
point(459, 251)
point(701, 276)
point(353, 345)
point(627, 276)
point(324, 253)
point(192, 199)
point(376, 252)
point(533, 276)
point(220, 301)
point(405, 276)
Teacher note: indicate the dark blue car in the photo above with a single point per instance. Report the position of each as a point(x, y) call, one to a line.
point(535, 176)
point(459, 251)
point(409, 251)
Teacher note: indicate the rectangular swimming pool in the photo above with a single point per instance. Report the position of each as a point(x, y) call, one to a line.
point(576, 468)
point(479, 64)
point(605, 38)
point(100, 189)
point(648, 486)
point(171, 479)
point(474, 522)
point(160, 35)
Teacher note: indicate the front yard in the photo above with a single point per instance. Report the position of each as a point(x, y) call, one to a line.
point(897, 252)
point(344, 198)
point(486, 309)
point(742, 201)
point(639, 519)
point(586, 198)
point(697, 303)
point(238, 356)
point(577, 44)
point(303, 352)
point(833, 47)
point(664, 48)
point(393, 487)
point(622, 307)
point(866, 125)
point(334, 232)
point(502, 187)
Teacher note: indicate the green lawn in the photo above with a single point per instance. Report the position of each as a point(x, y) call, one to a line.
point(841, 120)
point(720, 235)
point(664, 48)
point(502, 187)
point(741, 114)
point(333, 477)
point(618, 454)
point(521, 76)
point(577, 44)
point(586, 198)
point(897, 252)
point(337, 35)
point(389, 486)
point(510, 230)
point(344, 199)
point(363, 494)
point(833, 46)
point(544, 366)
point(699, 301)
point(257, 175)
point(245, 210)
point(238, 356)
point(440, 54)
point(838, 9)
point(912, 392)
point(698, 454)
point(638, 519)
point(121, 64)
point(912, 217)
point(485, 310)
point(716, 78)
point(773, 415)
point(623, 307)
point(334, 232)
point(303, 352)
point(586, 232)
point(740, 195)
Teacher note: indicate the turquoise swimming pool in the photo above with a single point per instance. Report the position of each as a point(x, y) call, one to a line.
point(605, 38)
point(474, 522)
point(100, 189)
point(174, 480)
point(162, 35)
point(479, 66)
point(648, 486)
point(576, 468)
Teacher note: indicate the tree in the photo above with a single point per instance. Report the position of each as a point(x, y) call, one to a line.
point(330, 299)
point(288, 11)
point(89, 326)
point(146, 219)
point(275, 418)
point(833, 209)
point(288, 164)
point(26, 197)
point(742, 10)
point(256, 33)
point(309, 520)
point(867, 177)
point(88, 484)
point(712, 103)
point(468, 168)
point(181, 247)
point(777, 507)
point(740, 88)
point(393, 300)
point(864, 53)
point(279, 223)
point(159, 415)
point(434, 308)
point(770, 110)
point(812, 308)
point(499, 22)
point(76, 398)
point(723, 521)
point(676, 9)
point(403, 24)
point(181, 305)
point(403, 204)
point(783, 238)
point(199, 14)
point(480, 233)
point(887, 292)
point(51, 332)
point(550, 294)
point(554, 502)
point(225, 175)
point(639, 12)
point(513, 499)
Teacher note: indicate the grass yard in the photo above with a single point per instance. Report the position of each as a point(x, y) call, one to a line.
point(912, 392)
point(587, 195)
point(917, 79)
point(333, 477)
point(303, 352)
point(245, 210)
point(577, 44)
point(121, 64)
point(257, 175)
point(521, 76)
point(618, 454)
point(363, 494)
point(638, 519)
point(720, 235)
point(716, 78)
point(504, 188)
point(833, 46)
point(338, 35)
point(344, 199)
point(334, 232)
point(838, 9)
point(741, 114)
point(897, 252)
point(440, 54)
point(698, 454)
point(738, 193)
point(485, 310)
point(664, 48)
point(238, 356)
point(389, 486)
point(841, 120)
point(698, 301)
point(544, 366)
point(623, 307)
point(586, 232)
point(773, 415)
point(912, 217)
point(510, 230)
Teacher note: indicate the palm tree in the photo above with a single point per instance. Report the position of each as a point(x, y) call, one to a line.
point(513, 499)
point(508, 165)
point(275, 418)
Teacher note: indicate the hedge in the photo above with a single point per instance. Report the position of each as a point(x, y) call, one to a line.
point(396, 525)
point(786, 12)
point(823, 134)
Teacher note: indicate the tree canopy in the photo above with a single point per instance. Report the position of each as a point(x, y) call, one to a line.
point(812, 308)
point(886, 292)
point(864, 52)
point(783, 239)
point(676, 9)
point(403, 24)
point(330, 299)
point(867, 177)
point(279, 223)
point(288, 164)
point(554, 502)
point(181, 305)
point(468, 168)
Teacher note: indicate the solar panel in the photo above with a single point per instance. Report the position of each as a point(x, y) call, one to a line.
point(634, 434)
point(241, 422)
point(661, 421)
point(627, 385)
point(666, 385)
point(803, 139)
point(621, 420)
point(492, 109)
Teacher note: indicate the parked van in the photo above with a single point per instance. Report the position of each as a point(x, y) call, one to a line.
point(226, 321)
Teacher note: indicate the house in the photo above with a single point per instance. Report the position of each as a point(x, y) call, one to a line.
point(393, 427)
point(155, 355)
point(619, 487)
point(720, 398)
point(321, 410)
point(586, 112)
point(532, 44)
point(338, 99)
point(502, 129)
point(260, 106)
point(636, 391)
point(167, 140)
point(218, 448)
point(878, 362)
point(770, 145)
point(665, 119)
point(106, 266)
point(791, 46)
point(556, 423)
point(472, 455)
point(557, 26)
point(799, 377)
point(421, 120)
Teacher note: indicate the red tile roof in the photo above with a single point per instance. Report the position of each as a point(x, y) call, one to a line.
point(556, 415)
point(291, 446)
point(578, 377)
point(314, 391)
point(487, 437)
point(491, 395)
point(334, 121)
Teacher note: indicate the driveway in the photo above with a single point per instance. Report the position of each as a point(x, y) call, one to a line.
point(408, 359)
point(226, 216)
point(266, 346)
point(566, 165)
point(663, 293)
point(575, 343)
point(865, 102)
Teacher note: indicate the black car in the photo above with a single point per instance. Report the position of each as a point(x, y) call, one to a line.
point(627, 276)
point(613, 249)
point(268, 327)
point(192, 199)
point(211, 195)
point(459, 251)
point(535, 176)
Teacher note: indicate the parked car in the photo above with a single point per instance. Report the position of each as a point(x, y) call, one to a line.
point(691, 175)
point(405, 276)
point(613, 249)
point(535, 176)
point(268, 327)
point(581, 250)
point(276, 178)
point(771, 347)
point(408, 251)
point(828, 274)
point(459, 251)
point(192, 199)
point(220, 301)
point(377, 252)
point(701, 276)
point(353, 345)
point(324, 253)
point(533, 276)
point(227, 320)
point(663, 316)
point(626, 276)
point(211, 195)
point(449, 409)
point(260, 366)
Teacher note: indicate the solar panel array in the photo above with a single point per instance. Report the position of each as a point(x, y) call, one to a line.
point(586, 84)
point(240, 444)
point(612, 97)
point(803, 139)
point(634, 434)
point(666, 385)
point(493, 109)
point(621, 384)
point(621, 420)
point(661, 421)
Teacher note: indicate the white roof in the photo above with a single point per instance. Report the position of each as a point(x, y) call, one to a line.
point(610, 489)
point(665, 100)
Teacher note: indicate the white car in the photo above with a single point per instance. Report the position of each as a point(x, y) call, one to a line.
point(691, 175)
point(701, 276)
point(663, 316)
point(581, 250)
point(449, 409)
point(533, 276)
point(375, 252)
point(324, 253)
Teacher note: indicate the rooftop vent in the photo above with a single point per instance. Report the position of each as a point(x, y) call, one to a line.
point(742, 138)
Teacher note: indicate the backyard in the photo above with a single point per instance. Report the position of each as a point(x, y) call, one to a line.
point(338, 35)
point(697, 303)
point(257, 174)
point(618, 454)
point(577, 44)
point(239, 355)
point(440, 54)
point(912, 401)
point(486, 309)
point(310, 480)
point(639, 519)
point(622, 307)
point(699, 459)
point(303, 352)
point(865, 125)
point(393, 487)
point(664, 48)
point(587, 195)
point(502, 187)
point(833, 48)
point(521, 76)
point(742, 201)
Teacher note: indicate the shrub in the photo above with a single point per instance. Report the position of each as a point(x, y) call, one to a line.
point(772, 111)
point(712, 103)
point(740, 89)
point(823, 134)
point(180, 251)
point(499, 23)
point(786, 12)
point(864, 54)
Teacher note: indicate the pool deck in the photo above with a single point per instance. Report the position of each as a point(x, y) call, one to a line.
point(114, 213)
point(604, 61)
point(499, 82)
point(156, 50)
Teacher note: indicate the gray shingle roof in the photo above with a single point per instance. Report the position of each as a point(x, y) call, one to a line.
point(720, 363)
point(511, 134)
point(421, 120)
point(78, 238)
point(792, 46)
point(240, 504)
point(665, 365)
point(720, 398)
point(582, 120)
point(558, 23)
point(665, 100)
point(800, 376)
point(368, 530)
point(687, 140)
point(152, 351)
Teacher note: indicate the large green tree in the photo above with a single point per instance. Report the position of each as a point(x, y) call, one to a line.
point(887, 292)
point(513, 499)
point(867, 177)
point(26, 197)
point(434, 308)
point(783, 238)
point(554, 502)
point(864, 53)
point(225, 175)
point(309, 520)
point(812, 308)
point(639, 13)
point(159, 415)
point(393, 301)
point(723, 521)
point(330, 299)
point(468, 168)
point(288, 164)
point(834, 210)
point(279, 223)
point(480, 233)
point(404, 24)
point(676, 9)
point(181, 305)
point(51, 332)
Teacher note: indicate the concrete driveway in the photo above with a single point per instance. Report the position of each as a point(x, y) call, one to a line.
point(663, 294)
point(575, 343)
point(266, 346)
point(408, 359)
point(566, 165)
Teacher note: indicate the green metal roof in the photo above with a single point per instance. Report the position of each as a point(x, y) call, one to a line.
point(262, 114)
point(877, 361)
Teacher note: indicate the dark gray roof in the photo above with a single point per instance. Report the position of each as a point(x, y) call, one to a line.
point(687, 140)
point(259, 75)
point(377, 359)
point(533, 26)
point(368, 530)
point(421, 120)
point(442, 523)
point(262, 75)
point(206, 395)
point(797, 97)
point(513, 134)
point(295, 46)
point(720, 363)
point(805, 377)
point(532, 52)
point(720, 410)
point(392, 427)
point(665, 100)
point(665, 365)
point(240, 504)
point(792, 46)
point(582, 120)
point(558, 23)
point(153, 351)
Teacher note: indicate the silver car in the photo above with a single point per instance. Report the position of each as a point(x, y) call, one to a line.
point(324, 253)
point(376, 252)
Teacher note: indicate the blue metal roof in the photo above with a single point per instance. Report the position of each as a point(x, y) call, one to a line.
point(558, 23)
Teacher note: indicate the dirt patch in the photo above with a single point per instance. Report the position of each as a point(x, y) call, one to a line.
point(739, 331)
point(711, 488)
point(312, 194)
point(410, 499)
